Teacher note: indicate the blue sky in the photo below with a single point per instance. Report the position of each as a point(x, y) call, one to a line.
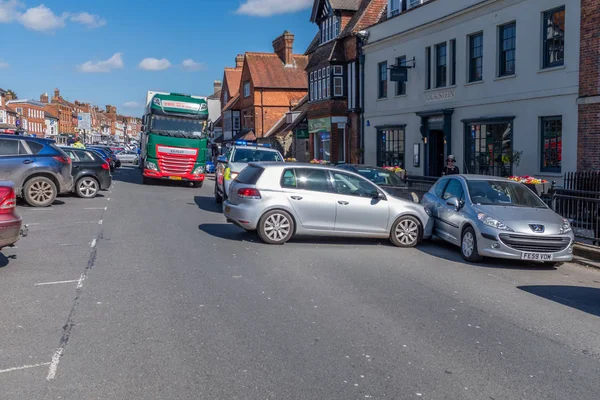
point(113, 51)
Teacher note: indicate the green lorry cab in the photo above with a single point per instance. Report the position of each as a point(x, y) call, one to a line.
point(174, 141)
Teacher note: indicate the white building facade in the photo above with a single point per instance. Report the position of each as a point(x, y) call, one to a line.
point(495, 83)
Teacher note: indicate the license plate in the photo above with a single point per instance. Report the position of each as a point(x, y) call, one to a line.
point(537, 256)
point(175, 178)
point(227, 209)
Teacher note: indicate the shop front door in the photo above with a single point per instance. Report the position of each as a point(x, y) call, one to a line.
point(436, 153)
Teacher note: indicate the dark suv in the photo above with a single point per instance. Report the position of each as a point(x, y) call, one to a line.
point(37, 167)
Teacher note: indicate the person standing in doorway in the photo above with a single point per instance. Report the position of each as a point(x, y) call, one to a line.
point(450, 168)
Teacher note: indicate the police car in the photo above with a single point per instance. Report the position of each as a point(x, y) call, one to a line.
point(237, 158)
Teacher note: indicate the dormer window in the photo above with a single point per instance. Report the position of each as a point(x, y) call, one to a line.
point(330, 28)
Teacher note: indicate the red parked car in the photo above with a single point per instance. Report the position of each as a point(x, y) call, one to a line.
point(11, 223)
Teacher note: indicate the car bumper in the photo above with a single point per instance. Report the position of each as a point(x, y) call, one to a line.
point(490, 245)
point(148, 173)
point(105, 181)
point(66, 186)
point(11, 230)
point(242, 215)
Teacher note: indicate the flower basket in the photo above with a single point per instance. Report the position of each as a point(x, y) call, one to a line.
point(398, 171)
point(291, 159)
point(539, 186)
point(322, 162)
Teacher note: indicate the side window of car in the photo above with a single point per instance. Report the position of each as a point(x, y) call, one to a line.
point(454, 189)
point(352, 186)
point(34, 147)
point(9, 147)
point(72, 155)
point(440, 187)
point(288, 179)
point(84, 156)
point(316, 180)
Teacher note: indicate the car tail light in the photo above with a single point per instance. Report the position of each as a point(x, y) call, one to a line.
point(249, 193)
point(8, 200)
point(61, 159)
point(106, 166)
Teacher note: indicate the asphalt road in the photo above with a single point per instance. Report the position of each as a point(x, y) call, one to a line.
point(146, 293)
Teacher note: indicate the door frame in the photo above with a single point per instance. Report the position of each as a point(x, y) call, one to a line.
point(437, 120)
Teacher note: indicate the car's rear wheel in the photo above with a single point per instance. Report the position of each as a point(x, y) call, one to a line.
point(468, 246)
point(39, 192)
point(87, 187)
point(276, 227)
point(406, 232)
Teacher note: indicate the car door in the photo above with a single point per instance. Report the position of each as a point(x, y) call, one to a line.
point(448, 216)
point(309, 192)
point(357, 208)
point(75, 161)
point(15, 161)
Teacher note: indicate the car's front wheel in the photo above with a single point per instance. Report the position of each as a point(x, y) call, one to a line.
point(276, 227)
point(468, 246)
point(406, 232)
point(87, 187)
point(39, 192)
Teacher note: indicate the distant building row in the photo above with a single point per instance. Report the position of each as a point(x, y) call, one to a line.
point(507, 86)
point(57, 118)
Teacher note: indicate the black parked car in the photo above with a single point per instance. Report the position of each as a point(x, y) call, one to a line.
point(105, 156)
point(91, 173)
point(37, 167)
point(111, 154)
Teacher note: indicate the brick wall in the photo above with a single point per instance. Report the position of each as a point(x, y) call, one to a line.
point(588, 144)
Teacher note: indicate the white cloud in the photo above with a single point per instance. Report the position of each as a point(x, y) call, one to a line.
point(131, 104)
point(154, 64)
point(267, 8)
point(90, 20)
point(115, 62)
point(9, 10)
point(191, 65)
point(41, 18)
point(4, 64)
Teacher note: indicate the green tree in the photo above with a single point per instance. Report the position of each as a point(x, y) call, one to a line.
point(12, 93)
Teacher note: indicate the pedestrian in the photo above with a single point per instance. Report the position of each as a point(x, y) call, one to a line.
point(78, 144)
point(450, 168)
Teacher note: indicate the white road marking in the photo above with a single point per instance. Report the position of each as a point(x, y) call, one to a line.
point(23, 367)
point(32, 223)
point(95, 208)
point(93, 243)
point(55, 283)
point(105, 208)
point(100, 222)
point(80, 281)
point(108, 199)
point(54, 363)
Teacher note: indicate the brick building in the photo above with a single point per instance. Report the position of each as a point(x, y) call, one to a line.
point(271, 84)
point(8, 117)
point(588, 150)
point(334, 77)
point(31, 113)
point(230, 120)
point(64, 110)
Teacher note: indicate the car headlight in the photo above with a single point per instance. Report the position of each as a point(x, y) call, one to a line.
point(151, 165)
point(199, 170)
point(566, 226)
point(493, 222)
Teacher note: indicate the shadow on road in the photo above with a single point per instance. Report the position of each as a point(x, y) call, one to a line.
point(447, 251)
point(208, 204)
point(585, 299)
point(4, 260)
point(128, 175)
point(229, 232)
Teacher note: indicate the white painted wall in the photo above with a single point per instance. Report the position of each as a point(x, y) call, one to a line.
point(528, 95)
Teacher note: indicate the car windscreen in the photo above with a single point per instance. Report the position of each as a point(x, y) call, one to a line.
point(249, 175)
point(380, 176)
point(502, 193)
point(246, 155)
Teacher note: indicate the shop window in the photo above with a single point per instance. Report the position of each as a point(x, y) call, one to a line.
point(476, 57)
point(323, 146)
point(507, 49)
point(391, 147)
point(489, 147)
point(382, 80)
point(554, 38)
point(551, 144)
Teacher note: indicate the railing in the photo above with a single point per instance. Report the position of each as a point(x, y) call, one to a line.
point(582, 209)
point(584, 181)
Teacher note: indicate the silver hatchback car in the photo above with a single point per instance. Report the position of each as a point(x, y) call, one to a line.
point(280, 200)
point(496, 217)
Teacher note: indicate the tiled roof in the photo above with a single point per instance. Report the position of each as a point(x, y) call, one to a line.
point(321, 53)
point(369, 13)
point(50, 114)
point(216, 95)
point(231, 103)
point(233, 76)
point(349, 5)
point(314, 44)
point(268, 71)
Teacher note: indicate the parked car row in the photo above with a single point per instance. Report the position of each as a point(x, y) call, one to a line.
point(484, 216)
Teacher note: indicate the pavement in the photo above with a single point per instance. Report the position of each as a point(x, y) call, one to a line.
point(147, 293)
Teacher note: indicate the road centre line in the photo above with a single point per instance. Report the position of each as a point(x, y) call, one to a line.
point(23, 367)
point(56, 282)
point(93, 243)
point(54, 363)
point(100, 222)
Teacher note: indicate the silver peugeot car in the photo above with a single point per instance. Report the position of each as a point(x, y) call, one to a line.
point(495, 217)
point(280, 200)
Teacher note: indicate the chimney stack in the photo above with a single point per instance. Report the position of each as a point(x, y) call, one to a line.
point(239, 61)
point(218, 86)
point(111, 109)
point(56, 93)
point(44, 98)
point(283, 47)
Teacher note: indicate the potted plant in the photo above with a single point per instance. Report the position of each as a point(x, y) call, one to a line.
point(398, 171)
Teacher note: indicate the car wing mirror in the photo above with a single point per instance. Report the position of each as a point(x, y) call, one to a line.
point(454, 202)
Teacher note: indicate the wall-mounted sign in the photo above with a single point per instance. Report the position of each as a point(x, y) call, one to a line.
point(399, 74)
point(302, 133)
point(319, 125)
point(440, 96)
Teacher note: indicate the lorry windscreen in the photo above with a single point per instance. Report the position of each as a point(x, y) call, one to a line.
point(177, 126)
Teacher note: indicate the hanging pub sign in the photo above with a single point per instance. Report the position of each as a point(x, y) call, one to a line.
point(398, 74)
